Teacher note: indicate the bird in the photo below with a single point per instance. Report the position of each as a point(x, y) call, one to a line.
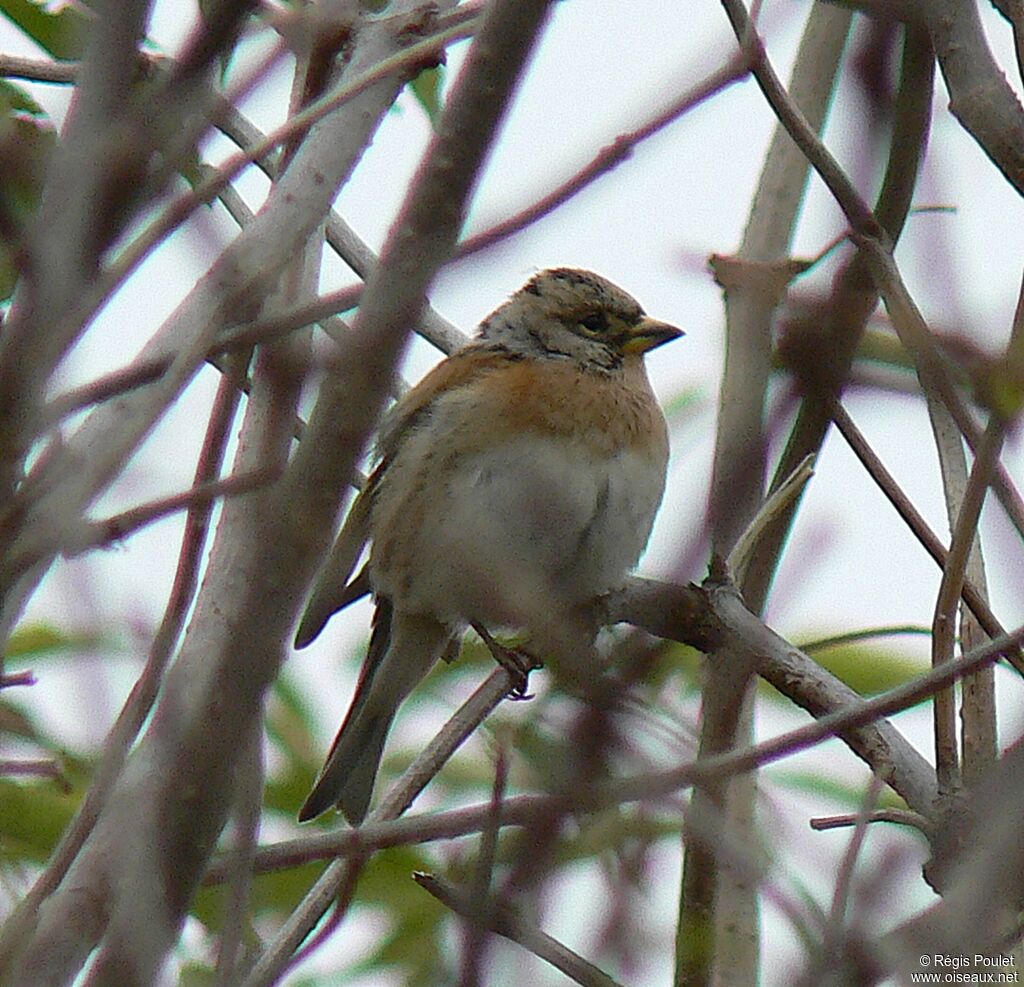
point(517, 481)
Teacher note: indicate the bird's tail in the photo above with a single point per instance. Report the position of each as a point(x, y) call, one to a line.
point(402, 649)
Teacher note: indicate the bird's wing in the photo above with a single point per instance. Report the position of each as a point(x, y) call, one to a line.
point(332, 590)
point(460, 369)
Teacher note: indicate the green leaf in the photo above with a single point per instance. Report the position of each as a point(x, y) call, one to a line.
point(33, 815)
point(869, 669)
point(275, 893)
point(14, 99)
point(685, 405)
point(30, 641)
point(413, 943)
point(60, 33)
point(196, 975)
point(848, 796)
point(884, 347)
point(27, 141)
point(426, 87)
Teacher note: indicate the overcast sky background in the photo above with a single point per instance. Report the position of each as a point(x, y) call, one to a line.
point(603, 67)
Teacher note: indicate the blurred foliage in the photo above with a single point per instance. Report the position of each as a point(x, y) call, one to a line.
point(34, 813)
point(867, 667)
point(27, 140)
point(412, 944)
point(415, 943)
point(684, 406)
point(60, 32)
point(32, 817)
point(27, 137)
point(847, 796)
point(196, 975)
point(426, 87)
point(43, 640)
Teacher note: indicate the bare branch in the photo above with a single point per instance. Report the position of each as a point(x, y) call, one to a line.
point(140, 701)
point(125, 524)
point(504, 921)
point(37, 69)
point(915, 335)
point(247, 607)
point(342, 873)
point(423, 236)
point(397, 65)
point(479, 913)
point(972, 596)
point(34, 769)
point(716, 905)
point(715, 621)
point(844, 879)
point(606, 160)
point(17, 678)
point(979, 95)
point(60, 487)
point(899, 816)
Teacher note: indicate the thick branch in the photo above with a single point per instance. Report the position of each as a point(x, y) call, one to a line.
point(717, 620)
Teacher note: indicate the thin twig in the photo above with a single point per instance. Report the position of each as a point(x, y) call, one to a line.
point(34, 769)
point(979, 738)
point(344, 240)
point(853, 637)
point(913, 331)
point(607, 159)
point(26, 677)
point(248, 805)
point(122, 525)
point(380, 833)
point(717, 910)
point(238, 337)
point(839, 723)
point(856, 210)
point(844, 877)
point(850, 306)
point(506, 922)
point(778, 503)
point(479, 915)
point(343, 894)
point(423, 236)
point(98, 534)
point(371, 836)
point(902, 817)
point(960, 549)
point(917, 524)
point(711, 620)
point(343, 873)
point(178, 211)
point(37, 69)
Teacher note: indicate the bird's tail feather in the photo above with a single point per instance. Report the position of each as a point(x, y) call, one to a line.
point(348, 777)
point(402, 650)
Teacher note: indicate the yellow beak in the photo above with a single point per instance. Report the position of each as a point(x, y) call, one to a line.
point(648, 334)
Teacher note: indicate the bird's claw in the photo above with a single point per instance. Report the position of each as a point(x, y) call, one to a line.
point(516, 662)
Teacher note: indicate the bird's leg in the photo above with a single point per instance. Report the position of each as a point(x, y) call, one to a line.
point(515, 661)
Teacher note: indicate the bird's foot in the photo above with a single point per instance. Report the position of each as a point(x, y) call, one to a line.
point(517, 662)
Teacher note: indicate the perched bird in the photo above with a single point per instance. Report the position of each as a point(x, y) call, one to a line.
point(518, 480)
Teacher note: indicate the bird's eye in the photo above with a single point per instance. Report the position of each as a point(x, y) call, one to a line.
point(595, 323)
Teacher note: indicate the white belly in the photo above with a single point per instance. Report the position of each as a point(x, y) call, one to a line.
point(534, 523)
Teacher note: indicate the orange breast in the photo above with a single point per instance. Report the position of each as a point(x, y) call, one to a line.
point(553, 397)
